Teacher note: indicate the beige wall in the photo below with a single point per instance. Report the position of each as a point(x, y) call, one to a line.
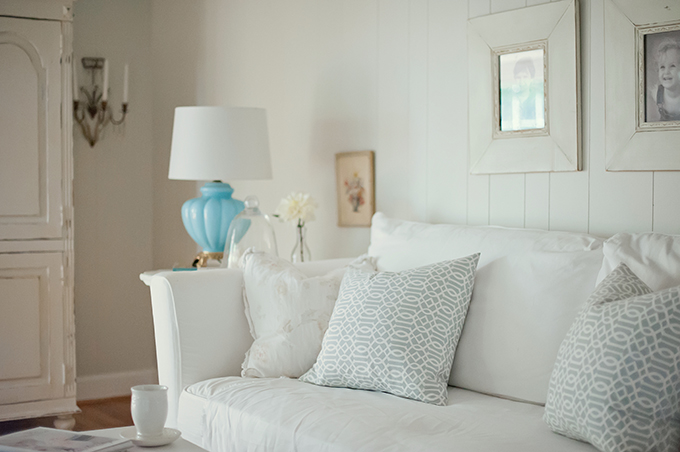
point(113, 198)
point(386, 75)
point(311, 64)
point(177, 34)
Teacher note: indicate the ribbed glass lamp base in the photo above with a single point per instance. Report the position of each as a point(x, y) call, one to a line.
point(207, 218)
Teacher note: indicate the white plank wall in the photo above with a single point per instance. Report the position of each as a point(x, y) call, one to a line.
point(592, 200)
point(391, 75)
point(447, 113)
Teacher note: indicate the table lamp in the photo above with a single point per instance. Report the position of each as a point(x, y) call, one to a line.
point(217, 144)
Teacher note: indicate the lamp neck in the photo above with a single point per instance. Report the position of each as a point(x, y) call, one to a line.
point(217, 189)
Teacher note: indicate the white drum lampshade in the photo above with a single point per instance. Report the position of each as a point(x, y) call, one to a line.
point(217, 144)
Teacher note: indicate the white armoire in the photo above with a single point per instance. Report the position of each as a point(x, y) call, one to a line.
point(37, 342)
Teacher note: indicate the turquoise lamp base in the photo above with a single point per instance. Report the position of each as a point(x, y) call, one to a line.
point(207, 218)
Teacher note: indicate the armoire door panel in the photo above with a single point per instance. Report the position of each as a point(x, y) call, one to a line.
point(31, 327)
point(20, 80)
point(21, 324)
point(30, 149)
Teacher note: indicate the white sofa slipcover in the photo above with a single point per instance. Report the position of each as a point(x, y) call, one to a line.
point(529, 287)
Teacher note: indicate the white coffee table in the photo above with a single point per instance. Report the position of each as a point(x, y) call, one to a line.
point(179, 445)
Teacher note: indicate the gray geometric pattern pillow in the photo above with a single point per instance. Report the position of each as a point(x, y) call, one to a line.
point(397, 332)
point(616, 382)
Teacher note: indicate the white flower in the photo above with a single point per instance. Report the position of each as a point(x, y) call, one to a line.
point(297, 207)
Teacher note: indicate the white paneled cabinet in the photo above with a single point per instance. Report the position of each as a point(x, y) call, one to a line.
point(37, 348)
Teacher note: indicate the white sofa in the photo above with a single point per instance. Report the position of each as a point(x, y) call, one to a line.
point(529, 287)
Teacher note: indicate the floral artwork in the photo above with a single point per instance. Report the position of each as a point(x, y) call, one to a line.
point(355, 192)
point(355, 188)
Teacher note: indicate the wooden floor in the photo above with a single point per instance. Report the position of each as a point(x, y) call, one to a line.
point(96, 414)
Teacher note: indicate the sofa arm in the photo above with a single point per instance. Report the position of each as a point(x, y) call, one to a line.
point(200, 328)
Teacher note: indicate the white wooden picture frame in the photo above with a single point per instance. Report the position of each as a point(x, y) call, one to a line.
point(633, 143)
point(556, 146)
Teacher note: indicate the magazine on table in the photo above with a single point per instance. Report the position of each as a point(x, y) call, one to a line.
point(43, 439)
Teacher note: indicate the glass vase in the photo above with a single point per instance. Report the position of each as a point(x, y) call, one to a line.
point(301, 251)
point(249, 229)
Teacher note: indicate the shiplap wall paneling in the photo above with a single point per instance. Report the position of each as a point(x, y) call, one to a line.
point(447, 112)
point(393, 191)
point(417, 102)
point(478, 185)
point(506, 200)
point(618, 201)
point(666, 204)
point(569, 201)
point(569, 191)
point(537, 201)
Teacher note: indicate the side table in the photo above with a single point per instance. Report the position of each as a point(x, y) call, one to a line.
point(179, 445)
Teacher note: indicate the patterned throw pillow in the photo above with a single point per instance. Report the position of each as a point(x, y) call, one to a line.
point(288, 313)
point(616, 382)
point(397, 332)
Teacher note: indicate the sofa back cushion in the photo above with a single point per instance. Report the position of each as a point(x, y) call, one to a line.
point(653, 257)
point(529, 288)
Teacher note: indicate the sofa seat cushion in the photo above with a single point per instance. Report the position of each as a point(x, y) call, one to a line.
point(249, 414)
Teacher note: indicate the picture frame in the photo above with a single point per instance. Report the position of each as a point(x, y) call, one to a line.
point(355, 186)
point(640, 135)
point(504, 136)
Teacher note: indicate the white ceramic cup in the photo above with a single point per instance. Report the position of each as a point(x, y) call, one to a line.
point(149, 409)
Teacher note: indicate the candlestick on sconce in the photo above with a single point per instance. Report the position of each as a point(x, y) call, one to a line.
point(95, 114)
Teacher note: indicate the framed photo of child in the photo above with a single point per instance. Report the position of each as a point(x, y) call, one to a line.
point(642, 86)
point(661, 74)
point(521, 91)
point(355, 185)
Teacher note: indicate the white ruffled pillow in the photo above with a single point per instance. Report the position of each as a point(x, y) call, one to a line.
point(288, 313)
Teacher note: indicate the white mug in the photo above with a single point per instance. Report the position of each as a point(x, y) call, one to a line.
point(149, 409)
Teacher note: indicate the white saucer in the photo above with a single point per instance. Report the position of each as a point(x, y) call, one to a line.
point(168, 436)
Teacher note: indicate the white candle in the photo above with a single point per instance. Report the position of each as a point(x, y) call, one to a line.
point(105, 91)
point(75, 80)
point(126, 74)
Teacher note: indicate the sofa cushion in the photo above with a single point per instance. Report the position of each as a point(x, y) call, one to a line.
point(616, 382)
point(288, 313)
point(238, 414)
point(397, 331)
point(653, 257)
point(529, 287)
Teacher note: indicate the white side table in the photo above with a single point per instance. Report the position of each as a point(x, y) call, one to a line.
point(179, 445)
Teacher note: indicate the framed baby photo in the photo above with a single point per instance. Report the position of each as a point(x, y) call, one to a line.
point(642, 86)
point(524, 90)
point(659, 77)
point(355, 185)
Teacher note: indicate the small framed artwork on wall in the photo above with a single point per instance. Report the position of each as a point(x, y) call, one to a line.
point(355, 185)
point(642, 85)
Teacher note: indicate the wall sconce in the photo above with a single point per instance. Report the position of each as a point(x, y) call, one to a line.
point(94, 114)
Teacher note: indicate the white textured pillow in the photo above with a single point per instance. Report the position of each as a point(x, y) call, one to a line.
point(288, 313)
point(616, 382)
point(655, 258)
